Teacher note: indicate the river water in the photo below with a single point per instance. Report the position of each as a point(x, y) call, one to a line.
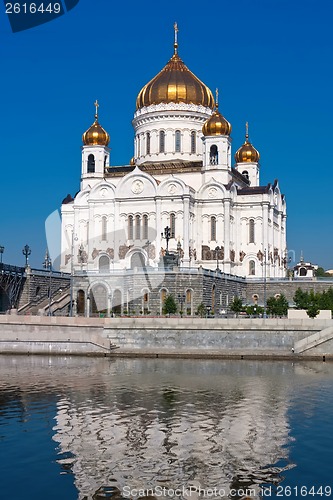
point(85, 428)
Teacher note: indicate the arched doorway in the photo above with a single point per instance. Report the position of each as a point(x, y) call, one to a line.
point(80, 301)
point(99, 300)
point(117, 302)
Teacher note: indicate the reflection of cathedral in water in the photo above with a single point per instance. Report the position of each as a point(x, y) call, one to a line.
point(218, 425)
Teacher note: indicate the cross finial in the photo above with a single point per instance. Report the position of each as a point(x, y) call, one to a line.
point(246, 130)
point(175, 45)
point(217, 97)
point(96, 111)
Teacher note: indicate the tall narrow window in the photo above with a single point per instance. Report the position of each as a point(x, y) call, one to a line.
point(172, 225)
point(213, 155)
point(193, 142)
point(162, 141)
point(148, 143)
point(251, 231)
point(252, 268)
point(104, 228)
point(145, 227)
point(91, 164)
point(213, 228)
point(177, 141)
point(130, 227)
point(137, 227)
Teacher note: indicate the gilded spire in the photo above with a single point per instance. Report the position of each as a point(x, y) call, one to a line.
point(217, 98)
point(96, 109)
point(175, 45)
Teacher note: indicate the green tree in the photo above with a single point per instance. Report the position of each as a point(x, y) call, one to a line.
point(320, 272)
point(301, 299)
point(277, 306)
point(201, 310)
point(312, 311)
point(236, 305)
point(169, 306)
point(254, 310)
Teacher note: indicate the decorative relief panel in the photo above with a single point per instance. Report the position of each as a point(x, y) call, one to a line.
point(137, 186)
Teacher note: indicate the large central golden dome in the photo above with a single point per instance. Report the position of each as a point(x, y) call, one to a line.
point(175, 83)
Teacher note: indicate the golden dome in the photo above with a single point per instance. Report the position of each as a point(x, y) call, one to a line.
point(175, 83)
point(96, 135)
point(216, 125)
point(132, 162)
point(247, 153)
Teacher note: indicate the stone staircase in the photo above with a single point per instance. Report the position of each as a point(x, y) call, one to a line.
point(60, 301)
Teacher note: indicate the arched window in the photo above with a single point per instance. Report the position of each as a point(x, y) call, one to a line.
point(177, 141)
point(145, 227)
point(130, 227)
point(303, 271)
point(137, 227)
point(188, 305)
point(104, 263)
point(162, 141)
point(137, 260)
point(163, 295)
point(148, 143)
point(246, 174)
point(105, 159)
point(193, 142)
point(172, 225)
point(104, 228)
point(251, 231)
point(213, 228)
point(91, 164)
point(255, 298)
point(213, 155)
point(252, 268)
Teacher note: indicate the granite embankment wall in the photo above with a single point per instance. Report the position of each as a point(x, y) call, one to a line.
point(166, 336)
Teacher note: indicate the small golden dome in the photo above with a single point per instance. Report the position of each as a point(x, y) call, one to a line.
point(247, 153)
point(175, 83)
point(96, 135)
point(132, 162)
point(216, 125)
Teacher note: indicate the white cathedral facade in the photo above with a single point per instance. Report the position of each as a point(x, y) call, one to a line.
point(183, 177)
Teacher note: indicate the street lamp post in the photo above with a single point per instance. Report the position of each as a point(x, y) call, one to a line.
point(217, 249)
point(74, 238)
point(47, 264)
point(2, 249)
point(181, 300)
point(208, 309)
point(265, 281)
point(167, 236)
point(26, 252)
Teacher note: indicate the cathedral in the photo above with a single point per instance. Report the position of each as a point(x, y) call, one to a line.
point(184, 201)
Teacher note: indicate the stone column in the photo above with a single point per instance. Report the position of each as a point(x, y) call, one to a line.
point(186, 228)
point(226, 266)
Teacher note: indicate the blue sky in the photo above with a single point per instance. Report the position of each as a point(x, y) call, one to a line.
point(272, 62)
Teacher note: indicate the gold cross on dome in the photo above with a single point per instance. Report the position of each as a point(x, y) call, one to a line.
point(175, 45)
point(217, 97)
point(96, 106)
point(247, 130)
